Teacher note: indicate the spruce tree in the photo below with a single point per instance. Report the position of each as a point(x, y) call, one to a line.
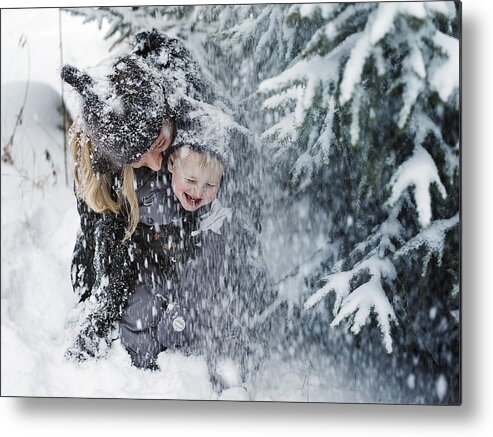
point(366, 124)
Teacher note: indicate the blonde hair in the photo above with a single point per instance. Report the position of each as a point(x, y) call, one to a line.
point(95, 189)
point(204, 159)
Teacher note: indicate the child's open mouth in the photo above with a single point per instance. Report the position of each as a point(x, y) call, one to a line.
point(194, 201)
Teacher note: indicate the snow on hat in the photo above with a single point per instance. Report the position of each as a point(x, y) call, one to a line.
point(206, 129)
point(126, 97)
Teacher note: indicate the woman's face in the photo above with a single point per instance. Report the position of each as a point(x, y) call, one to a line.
point(194, 184)
point(153, 158)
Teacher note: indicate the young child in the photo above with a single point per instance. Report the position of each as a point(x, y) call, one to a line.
point(168, 236)
point(149, 256)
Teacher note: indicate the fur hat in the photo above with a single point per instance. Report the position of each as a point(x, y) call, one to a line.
point(126, 98)
point(207, 129)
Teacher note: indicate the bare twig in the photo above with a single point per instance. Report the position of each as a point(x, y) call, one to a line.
point(306, 382)
point(7, 149)
point(64, 116)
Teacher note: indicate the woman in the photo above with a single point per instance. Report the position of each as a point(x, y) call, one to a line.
point(137, 233)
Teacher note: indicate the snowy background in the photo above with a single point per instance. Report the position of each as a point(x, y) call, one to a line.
point(472, 414)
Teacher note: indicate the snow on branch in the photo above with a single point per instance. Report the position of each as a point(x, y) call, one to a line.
point(432, 238)
point(300, 81)
point(326, 135)
point(379, 24)
point(246, 30)
point(348, 15)
point(357, 305)
point(419, 171)
point(281, 100)
point(380, 241)
point(310, 10)
point(414, 74)
point(282, 131)
point(422, 125)
point(338, 283)
point(275, 18)
point(317, 151)
point(444, 74)
point(310, 73)
point(337, 22)
point(445, 8)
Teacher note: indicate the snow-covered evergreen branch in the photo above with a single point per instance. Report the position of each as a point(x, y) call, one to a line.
point(419, 171)
point(432, 239)
point(354, 303)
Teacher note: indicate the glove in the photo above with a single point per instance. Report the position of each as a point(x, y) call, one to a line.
point(92, 339)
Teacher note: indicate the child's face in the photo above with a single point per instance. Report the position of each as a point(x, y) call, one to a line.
point(194, 184)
